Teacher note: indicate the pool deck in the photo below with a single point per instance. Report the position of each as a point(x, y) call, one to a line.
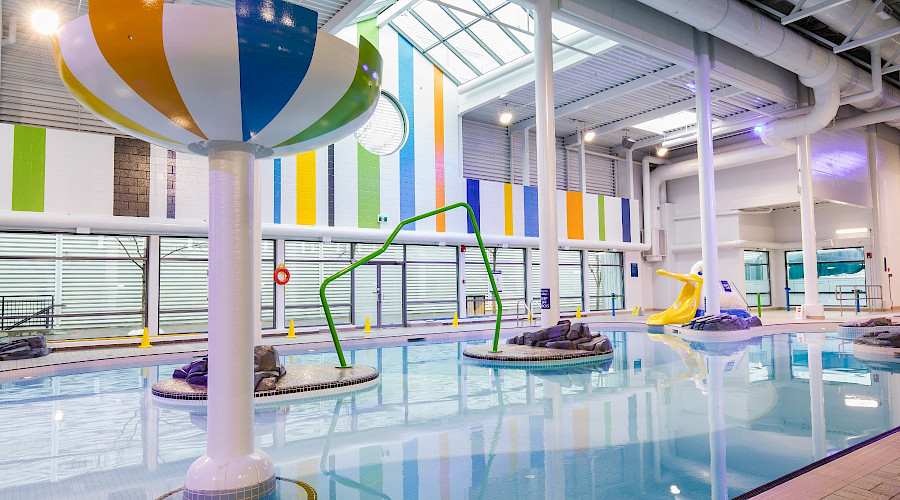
point(870, 472)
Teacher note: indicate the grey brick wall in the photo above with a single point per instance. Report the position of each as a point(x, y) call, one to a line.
point(131, 178)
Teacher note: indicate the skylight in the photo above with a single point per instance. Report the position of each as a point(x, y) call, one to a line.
point(668, 123)
point(468, 38)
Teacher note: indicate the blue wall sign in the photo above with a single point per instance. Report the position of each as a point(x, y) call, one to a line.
point(545, 298)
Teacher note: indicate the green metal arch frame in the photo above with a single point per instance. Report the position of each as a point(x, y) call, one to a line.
point(364, 260)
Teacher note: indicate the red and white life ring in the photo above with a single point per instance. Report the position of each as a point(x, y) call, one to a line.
point(282, 275)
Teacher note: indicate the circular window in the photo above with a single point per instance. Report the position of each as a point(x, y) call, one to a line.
point(387, 129)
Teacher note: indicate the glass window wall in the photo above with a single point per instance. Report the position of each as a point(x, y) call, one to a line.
point(756, 275)
point(606, 277)
point(836, 266)
point(310, 262)
point(570, 288)
point(431, 282)
point(508, 266)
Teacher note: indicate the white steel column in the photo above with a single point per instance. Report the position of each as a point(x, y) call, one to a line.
point(231, 461)
point(256, 220)
point(278, 306)
point(529, 279)
point(585, 269)
point(629, 172)
point(548, 243)
point(811, 307)
point(708, 237)
point(461, 282)
point(877, 275)
point(152, 285)
point(526, 153)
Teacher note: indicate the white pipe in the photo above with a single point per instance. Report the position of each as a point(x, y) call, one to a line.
point(750, 244)
point(230, 461)
point(582, 167)
point(877, 84)
point(646, 198)
point(828, 99)
point(707, 187)
point(888, 115)
point(629, 172)
point(811, 307)
point(546, 153)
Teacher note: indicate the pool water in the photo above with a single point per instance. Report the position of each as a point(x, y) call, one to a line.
point(664, 418)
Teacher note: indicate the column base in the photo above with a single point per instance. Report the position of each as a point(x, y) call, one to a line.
point(252, 476)
point(813, 311)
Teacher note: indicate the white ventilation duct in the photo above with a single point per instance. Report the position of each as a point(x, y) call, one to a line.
point(818, 68)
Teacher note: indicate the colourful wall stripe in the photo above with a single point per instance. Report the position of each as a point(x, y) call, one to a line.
point(368, 164)
point(408, 152)
point(141, 23)
point(170, 184)
point(29, 161)
point(276, 208)
point(508, 208)
point(626, 220)
point(601, 217)
point(574, 215)
point(269, 78)
point(473, 198)
point(439, 185)
point(306, 189)
point(331, 185)
point(532, 223)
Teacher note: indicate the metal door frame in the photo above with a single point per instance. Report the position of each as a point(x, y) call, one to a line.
point(379, 294)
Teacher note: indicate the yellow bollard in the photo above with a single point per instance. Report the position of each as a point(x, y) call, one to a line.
point(291, 333)
point(578, 312)
point(368, 327)
point(145, 339)
point(455, 320)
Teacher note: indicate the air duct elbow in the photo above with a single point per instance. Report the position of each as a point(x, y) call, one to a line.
point(828, 99)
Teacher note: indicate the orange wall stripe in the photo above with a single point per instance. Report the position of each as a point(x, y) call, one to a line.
point(575, 215)
point(439, 200)
point(306, 189)
point(508, 208)
point(125, 29)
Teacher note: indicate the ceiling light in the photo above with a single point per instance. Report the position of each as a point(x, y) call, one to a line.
point(661, 151)
point(589, 135)
point(505, 115)
point(852, 230)
point(45, 21)
point(628, 142)
point(758, 129)
point(675, 121)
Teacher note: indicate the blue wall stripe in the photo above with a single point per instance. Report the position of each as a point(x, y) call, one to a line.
point(473, 198)
point(626, 220)
point(277, 207)
point(274, 57)
point(408, 152)
point(532, 224)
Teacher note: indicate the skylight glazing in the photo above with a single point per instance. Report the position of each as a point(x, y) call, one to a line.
point(463, 39)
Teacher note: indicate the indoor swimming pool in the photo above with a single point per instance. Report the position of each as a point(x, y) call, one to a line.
point(664, 418)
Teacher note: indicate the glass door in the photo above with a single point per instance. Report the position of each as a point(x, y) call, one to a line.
point(378, 294)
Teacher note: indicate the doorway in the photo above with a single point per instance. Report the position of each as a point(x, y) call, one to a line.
point(378, 294)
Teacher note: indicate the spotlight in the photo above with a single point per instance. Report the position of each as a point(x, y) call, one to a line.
point(628, 142)
point(758, 129)
point(45, 21)
point(661, 151)
point(505, 115)
point(589, 135)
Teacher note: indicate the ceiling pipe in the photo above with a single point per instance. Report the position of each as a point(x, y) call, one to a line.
point(877, 83)
point(816, 67)
point(889, 115)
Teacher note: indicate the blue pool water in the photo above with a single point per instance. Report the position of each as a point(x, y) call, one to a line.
point(664, 418)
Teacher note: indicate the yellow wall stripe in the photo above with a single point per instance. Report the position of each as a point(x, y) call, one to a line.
point(575, 215)
point(508, 204)
point(306, 189)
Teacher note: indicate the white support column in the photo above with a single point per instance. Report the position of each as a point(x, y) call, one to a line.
point(582, 166)
point(708, 237)
point(278, 311)
point(153, 285)
point(526, 153)
point(231, 462)
point(585, 282)
point(811, 307)
point(461, 282)
point(878, 274)
point(629, 173)
point(548, 242)
point(256, 221)
point(529, 279)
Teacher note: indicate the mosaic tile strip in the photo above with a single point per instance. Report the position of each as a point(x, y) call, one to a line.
point(307, 489)
point(521, 353)
point(253, 492)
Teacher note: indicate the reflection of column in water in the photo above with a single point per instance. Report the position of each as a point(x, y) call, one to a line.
point(554, 474)
point(57, 417)
point(280, 428)
point(150, 420)
point(814, 343)
point(716, 416)
point(462, 382)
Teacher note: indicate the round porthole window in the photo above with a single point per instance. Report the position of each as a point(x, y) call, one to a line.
point(386, 131)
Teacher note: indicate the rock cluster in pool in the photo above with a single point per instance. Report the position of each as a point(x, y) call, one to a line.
point(565, 336)
point(722, 323)
point(267, 369)
point(870, 323)
point(879, 339)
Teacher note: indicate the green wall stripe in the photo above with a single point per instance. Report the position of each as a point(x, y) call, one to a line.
point(29, 157)
point(368, 164)
point(601, 217)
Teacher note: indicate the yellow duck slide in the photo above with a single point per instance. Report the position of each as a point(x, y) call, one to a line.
point(685, 307)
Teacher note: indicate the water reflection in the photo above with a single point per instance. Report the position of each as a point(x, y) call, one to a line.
point(663, 418)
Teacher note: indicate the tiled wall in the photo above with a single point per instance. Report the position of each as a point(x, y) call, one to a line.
point(131, 177)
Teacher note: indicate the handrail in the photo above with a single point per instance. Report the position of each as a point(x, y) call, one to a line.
point(529, 308)
point(866, 296)
point(354, 265)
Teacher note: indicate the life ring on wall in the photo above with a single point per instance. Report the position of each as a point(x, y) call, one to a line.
point(282, 275)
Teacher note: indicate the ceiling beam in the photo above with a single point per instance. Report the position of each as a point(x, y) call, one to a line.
point(346, 15)
point(606, 95)
point(395, 11)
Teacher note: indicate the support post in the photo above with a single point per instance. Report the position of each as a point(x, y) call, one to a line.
point(152, 285)
point(811, 307)
point(461, 282)
point(278, 306)
point(529, 279)
point(256, 242)
point(548, 242)
point(231, 463)
point(708, 237)
point(629, 173)
point(526, 154)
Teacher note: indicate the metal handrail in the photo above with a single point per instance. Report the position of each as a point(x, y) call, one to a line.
point(387, 244)
point(529, 307)
point(839, 291)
